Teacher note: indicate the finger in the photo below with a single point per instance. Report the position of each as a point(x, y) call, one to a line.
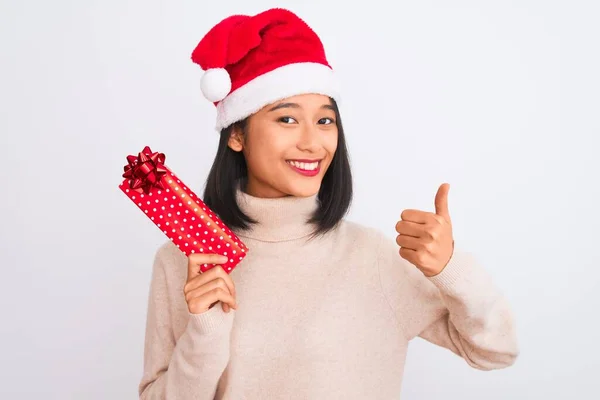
point(201, 289)
point(410, 228)
point(225, 307)
point(219, 294)
point(409, 255)
point(195, 260)
point(219, 272)
point(417, 216)
point(216, 274)
point(441, 201)
point(408, 242)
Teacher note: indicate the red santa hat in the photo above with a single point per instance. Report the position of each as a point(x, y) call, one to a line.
point(253, 61)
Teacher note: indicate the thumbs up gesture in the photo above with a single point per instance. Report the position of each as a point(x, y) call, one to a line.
point(425, 238)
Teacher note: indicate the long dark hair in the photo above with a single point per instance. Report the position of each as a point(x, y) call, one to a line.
point(229, 169)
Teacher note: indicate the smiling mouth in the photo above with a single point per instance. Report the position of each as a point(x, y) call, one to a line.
point(305, 165)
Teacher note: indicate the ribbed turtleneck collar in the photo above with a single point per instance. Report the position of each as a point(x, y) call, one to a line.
point(278, 219)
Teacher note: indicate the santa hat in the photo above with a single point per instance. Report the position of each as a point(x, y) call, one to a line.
point(253, 61)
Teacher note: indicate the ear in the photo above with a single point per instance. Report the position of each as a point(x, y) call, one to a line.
point(236, 139)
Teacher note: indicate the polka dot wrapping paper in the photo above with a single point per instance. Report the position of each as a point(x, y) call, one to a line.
point(176, 210)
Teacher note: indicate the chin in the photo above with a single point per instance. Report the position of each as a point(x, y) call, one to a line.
point(304, 189)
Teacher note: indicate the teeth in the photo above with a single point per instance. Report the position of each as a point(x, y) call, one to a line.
point(305, 166)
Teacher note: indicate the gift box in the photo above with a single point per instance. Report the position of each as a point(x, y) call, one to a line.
point(176, 210)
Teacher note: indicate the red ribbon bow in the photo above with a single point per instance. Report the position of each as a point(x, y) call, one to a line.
point(145, 171)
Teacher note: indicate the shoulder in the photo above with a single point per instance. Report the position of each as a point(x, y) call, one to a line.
point(168, 251)
point(379, 244)
point(169, 258)
point(368, 236)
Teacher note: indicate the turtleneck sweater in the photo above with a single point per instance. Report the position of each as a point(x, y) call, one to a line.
point(325, 317)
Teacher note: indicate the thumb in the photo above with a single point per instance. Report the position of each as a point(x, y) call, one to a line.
point(441, 201)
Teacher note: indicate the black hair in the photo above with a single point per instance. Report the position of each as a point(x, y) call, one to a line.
point(229, 169)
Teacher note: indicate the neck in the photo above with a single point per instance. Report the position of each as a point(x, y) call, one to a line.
point(277, 219)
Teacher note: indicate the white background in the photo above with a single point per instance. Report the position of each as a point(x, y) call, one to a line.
point(500, 99)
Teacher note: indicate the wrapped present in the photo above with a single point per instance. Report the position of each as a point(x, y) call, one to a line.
point(177, 211)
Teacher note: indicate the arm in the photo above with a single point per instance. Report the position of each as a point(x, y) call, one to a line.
point(459, 309)
point(188, 367)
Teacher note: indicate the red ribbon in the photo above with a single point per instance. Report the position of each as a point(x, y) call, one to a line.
point(145, 171)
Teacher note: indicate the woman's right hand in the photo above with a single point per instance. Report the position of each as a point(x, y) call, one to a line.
point(203, 290)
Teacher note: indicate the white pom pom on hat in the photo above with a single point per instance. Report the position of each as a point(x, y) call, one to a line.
point(215, 84)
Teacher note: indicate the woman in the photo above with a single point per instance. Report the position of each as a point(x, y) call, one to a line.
point(320, 308)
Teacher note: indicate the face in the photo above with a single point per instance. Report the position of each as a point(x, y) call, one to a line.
point(288, 146)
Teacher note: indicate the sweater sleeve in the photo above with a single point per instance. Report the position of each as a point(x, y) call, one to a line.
point(459, 309)
point(190, 366)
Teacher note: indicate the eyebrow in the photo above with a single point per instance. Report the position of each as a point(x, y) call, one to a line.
point(295, 105)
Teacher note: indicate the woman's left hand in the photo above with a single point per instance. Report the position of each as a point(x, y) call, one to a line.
point(425, 238)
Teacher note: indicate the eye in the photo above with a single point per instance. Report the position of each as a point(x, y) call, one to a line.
point(326, 121)
point(287, 120)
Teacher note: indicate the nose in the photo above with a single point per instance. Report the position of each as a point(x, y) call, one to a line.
point(310, 139)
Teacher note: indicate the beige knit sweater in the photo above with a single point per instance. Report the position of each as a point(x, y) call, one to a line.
point(328, 318)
